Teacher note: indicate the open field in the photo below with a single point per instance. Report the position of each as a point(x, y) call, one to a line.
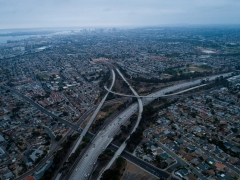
point(104, 112)
point(133, 172)
point(198, 69)
point(231, 49)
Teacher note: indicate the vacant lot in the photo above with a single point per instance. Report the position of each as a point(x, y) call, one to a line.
point(133, 172)
point(198, 69)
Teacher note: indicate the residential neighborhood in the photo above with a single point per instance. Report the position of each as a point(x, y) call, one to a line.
point(54, 84)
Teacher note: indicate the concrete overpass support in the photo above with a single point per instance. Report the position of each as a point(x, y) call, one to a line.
point(93, 116)
point(124, 144)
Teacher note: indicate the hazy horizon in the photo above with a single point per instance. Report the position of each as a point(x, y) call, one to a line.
point(106, 13)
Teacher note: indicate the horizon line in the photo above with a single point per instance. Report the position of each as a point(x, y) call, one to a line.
point(123, 26)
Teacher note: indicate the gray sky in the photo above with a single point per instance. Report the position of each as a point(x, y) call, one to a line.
point(114, 13)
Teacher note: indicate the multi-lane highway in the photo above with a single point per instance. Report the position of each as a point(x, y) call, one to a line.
point(124, 144)
point(73, 127)
point(165, 95)
point(105, 136)
point(91, 110)
point(180, 86)
point(93, 116)
point(69, 124)
point(99, 143)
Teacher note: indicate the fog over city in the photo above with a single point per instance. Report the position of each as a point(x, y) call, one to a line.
point(108, 13)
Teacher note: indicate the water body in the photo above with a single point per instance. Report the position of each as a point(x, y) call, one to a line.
point(4, 39)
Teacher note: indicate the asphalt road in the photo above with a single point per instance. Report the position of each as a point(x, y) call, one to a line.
point(154, 96)
point(99, 143)
point(124, 144)
point(225, 163)
point(56, 145)
point(86, 128)
point(181, 161)
point(176, 157)
point(42, 109)
point(173, 167)
point(104, 137)
point(43, 161)
point(109, 133)
point(71, 125)
point(91, 110)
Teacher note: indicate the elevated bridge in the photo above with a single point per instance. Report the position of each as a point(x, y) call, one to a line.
point(152, 96)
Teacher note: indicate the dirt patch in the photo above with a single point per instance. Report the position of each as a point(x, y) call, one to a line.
point(121, 87)
point(86, 121)
point(102, 114)
point(198, 69)
point(133, 172)
point(106, 111)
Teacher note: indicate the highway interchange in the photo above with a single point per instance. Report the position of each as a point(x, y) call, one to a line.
point(85, 130)
point(124, 144)
point(74, 127)
point(105, 136)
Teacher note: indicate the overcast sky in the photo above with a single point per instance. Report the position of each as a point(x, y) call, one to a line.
point(115, 13)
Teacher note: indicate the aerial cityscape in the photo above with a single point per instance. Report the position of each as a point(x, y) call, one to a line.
point(60, 120)
point(123, 101)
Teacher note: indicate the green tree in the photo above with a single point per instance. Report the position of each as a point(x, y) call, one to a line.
point(111, 174)
point(58, 137)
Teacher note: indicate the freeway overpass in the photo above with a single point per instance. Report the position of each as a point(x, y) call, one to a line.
point(84, 167)
point(93, 116)
point(153, 96)
point(124, 144)
point(140, 105)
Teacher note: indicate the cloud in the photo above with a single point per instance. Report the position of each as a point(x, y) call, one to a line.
point(60, 13)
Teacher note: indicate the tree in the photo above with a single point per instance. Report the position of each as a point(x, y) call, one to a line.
point(234, 130)
point(119, 162)
point(58, 137)
point(193, 114)
point(158, 158)
point(212, 112)
point(102, 157)
point(65, 113)
point(111, 174)
point(123, 127)
point(203, 81)
point(16, 109)
point(86, 139)
point(35, 133)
